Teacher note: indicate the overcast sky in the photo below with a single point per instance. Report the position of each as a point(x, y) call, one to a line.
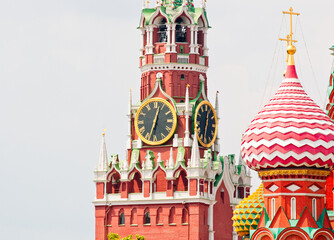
point(66, 67)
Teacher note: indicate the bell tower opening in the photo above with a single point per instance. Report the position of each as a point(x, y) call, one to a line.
point(181, 30)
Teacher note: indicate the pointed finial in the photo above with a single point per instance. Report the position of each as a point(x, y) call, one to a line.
point(104, 132)
point(171, 159)
point(103, 161)
point(195, 155)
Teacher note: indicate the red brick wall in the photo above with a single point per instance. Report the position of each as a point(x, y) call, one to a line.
point(167, 228)
point(222, 214)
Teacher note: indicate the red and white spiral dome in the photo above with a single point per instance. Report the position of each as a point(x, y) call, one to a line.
point(290, 131)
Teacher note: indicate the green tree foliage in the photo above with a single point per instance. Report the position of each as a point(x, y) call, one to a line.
point(115, 236)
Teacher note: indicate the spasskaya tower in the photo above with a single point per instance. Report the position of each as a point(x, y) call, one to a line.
point(172, 178)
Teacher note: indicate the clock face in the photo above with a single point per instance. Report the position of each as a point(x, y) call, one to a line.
point(155, 121)
point(206, 124)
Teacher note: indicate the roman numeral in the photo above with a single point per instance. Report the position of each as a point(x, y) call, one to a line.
point(163, 135)
point(201, 136)
point(168, 129)
point(213, 125)
point(205, 141)
point(155, 139)
point(169, 120)
point(147, 136)
point(141, 122)
point(206, 107)
point(202, 109)
point(141, 113)
point(155, 104)
point(148, 107)
point(142, 129)
point(213, 117)
point(168, 112)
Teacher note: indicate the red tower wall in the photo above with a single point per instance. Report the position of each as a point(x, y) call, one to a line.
point(222, 210)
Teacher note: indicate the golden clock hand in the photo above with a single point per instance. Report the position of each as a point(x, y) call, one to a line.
point(154, 121)
point(206, 124)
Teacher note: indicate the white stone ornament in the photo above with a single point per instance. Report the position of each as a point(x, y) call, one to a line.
point(159, 160)
point(293, 187)
point(171, 159)
point(314, 188)
point(148, 162)
point(159, 75)
point(273, 188)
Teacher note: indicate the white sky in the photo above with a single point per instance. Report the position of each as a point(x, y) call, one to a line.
point(66, 67)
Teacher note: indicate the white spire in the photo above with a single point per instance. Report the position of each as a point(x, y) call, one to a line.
point(187, 141)
point(195, 160)
point(217, 146)
point(171, 159)
point(203, 5)
point(103, 161)
point(129, 142)
point(159, 160)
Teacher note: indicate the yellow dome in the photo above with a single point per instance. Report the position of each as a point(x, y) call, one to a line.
point(247, 213)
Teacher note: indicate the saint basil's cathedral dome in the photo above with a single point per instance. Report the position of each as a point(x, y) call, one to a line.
point(290, 131)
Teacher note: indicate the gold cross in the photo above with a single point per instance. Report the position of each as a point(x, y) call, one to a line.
point(290, 38)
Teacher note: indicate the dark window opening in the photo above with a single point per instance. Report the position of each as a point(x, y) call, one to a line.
point(182, 76)
point(181, 31)
point(147, 218)
point(163, 31)
point(121, 218)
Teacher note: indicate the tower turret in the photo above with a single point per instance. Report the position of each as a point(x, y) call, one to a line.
point(174, 42)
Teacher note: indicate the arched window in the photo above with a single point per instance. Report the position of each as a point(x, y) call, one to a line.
point(163, 37)
point(159, 216)
point(293, 208)
point(184, 216)
point(241, 188)
point(181, 31)
point(272, 208)
point(182, 182)
point(222, 195)
point(121, 218)
point(133, 220)
point(182, 76)
point(160, 183)
point(113, 186)
point(314, 208)
point(135, 185)
point(171, 219)
point(147, 218)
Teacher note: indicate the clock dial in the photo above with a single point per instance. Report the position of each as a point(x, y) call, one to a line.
point(206, 124)
point(155, 121)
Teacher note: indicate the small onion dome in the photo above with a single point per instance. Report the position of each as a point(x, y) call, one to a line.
point(247, 213)
point(290, 131)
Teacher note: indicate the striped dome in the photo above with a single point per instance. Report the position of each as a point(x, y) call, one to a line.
point(291, 130)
